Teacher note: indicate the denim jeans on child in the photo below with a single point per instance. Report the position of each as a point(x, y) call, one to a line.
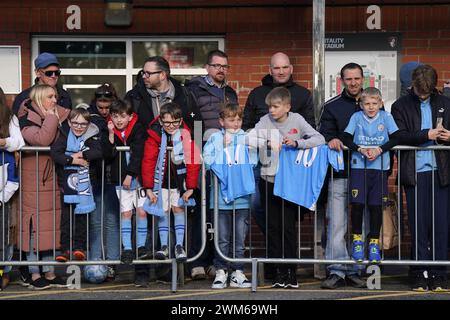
point(43, 256)
point(111, 229)
point(228, 236)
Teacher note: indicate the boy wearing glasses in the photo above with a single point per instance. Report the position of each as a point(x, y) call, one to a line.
point(125, 130)
point(170, 182)
point(47, 72)
point(72, 152)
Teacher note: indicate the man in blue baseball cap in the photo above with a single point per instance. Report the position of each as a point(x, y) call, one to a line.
point(47, 72)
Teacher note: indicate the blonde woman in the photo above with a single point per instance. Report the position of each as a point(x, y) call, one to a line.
point(40, 119)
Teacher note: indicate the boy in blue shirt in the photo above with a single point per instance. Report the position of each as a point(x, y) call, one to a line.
point(369, 134)
point(226, 154)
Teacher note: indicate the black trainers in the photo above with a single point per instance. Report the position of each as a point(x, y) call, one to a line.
point(355, 281)
point(279, 280)
point(290, 280)
point(127, 256)
point(332, 282)
point(420, 283)
point(40, 284)
point(438, 283)
point(144, 254)
point(25, 278)
point(162, 254)
point(141, 280)
point(58, 282)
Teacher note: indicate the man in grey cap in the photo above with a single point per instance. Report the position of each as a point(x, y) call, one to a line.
point(47, 72)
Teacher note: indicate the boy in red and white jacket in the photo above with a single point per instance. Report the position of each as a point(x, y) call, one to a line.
point(170, 189)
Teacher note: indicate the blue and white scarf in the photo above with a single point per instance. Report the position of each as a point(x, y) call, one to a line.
point(77, 184)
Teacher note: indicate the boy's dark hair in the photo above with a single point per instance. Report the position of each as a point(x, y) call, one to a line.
point(160, 62)
point(351, 65)
point(121, 106)
point(171, 108)
point(74, 113)
point(216, 53)
point(424, 79)
point(278, 94)
point(232, 110)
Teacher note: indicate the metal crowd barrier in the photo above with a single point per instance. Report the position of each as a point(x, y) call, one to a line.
point(177, 269)
point(255, 260)
point(319, 222)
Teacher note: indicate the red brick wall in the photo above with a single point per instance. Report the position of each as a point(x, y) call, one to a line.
point(252, 34)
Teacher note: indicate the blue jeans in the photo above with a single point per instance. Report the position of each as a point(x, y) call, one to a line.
point(337, 215)
point(111, 229)
point(227, 238)
point(43, 256)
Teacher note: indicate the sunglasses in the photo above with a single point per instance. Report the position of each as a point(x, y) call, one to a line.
point(105, 94)
point(50, 73)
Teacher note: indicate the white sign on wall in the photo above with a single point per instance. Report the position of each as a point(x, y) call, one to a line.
point(377, 54)
point(380, 71)
point(10, 64)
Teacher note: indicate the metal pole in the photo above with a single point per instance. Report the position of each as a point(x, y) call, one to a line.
point(318, 56)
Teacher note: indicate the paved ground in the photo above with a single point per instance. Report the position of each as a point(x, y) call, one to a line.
point(394, 286)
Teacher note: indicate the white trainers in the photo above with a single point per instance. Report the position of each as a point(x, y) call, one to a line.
point(198, 273)
point(220, 282)
point(239, 280)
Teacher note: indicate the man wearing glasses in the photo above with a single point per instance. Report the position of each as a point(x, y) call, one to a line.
point(210, 91)
point(47, 72)
point(156, 87)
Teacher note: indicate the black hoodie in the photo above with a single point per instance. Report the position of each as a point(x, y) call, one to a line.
point(255, 108)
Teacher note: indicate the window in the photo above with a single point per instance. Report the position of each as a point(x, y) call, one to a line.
point(88, 62)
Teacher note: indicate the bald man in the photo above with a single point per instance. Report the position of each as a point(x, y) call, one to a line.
point(280, 74)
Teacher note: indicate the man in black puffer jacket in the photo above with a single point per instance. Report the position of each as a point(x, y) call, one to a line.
point(280, 75)
point(210, 92)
